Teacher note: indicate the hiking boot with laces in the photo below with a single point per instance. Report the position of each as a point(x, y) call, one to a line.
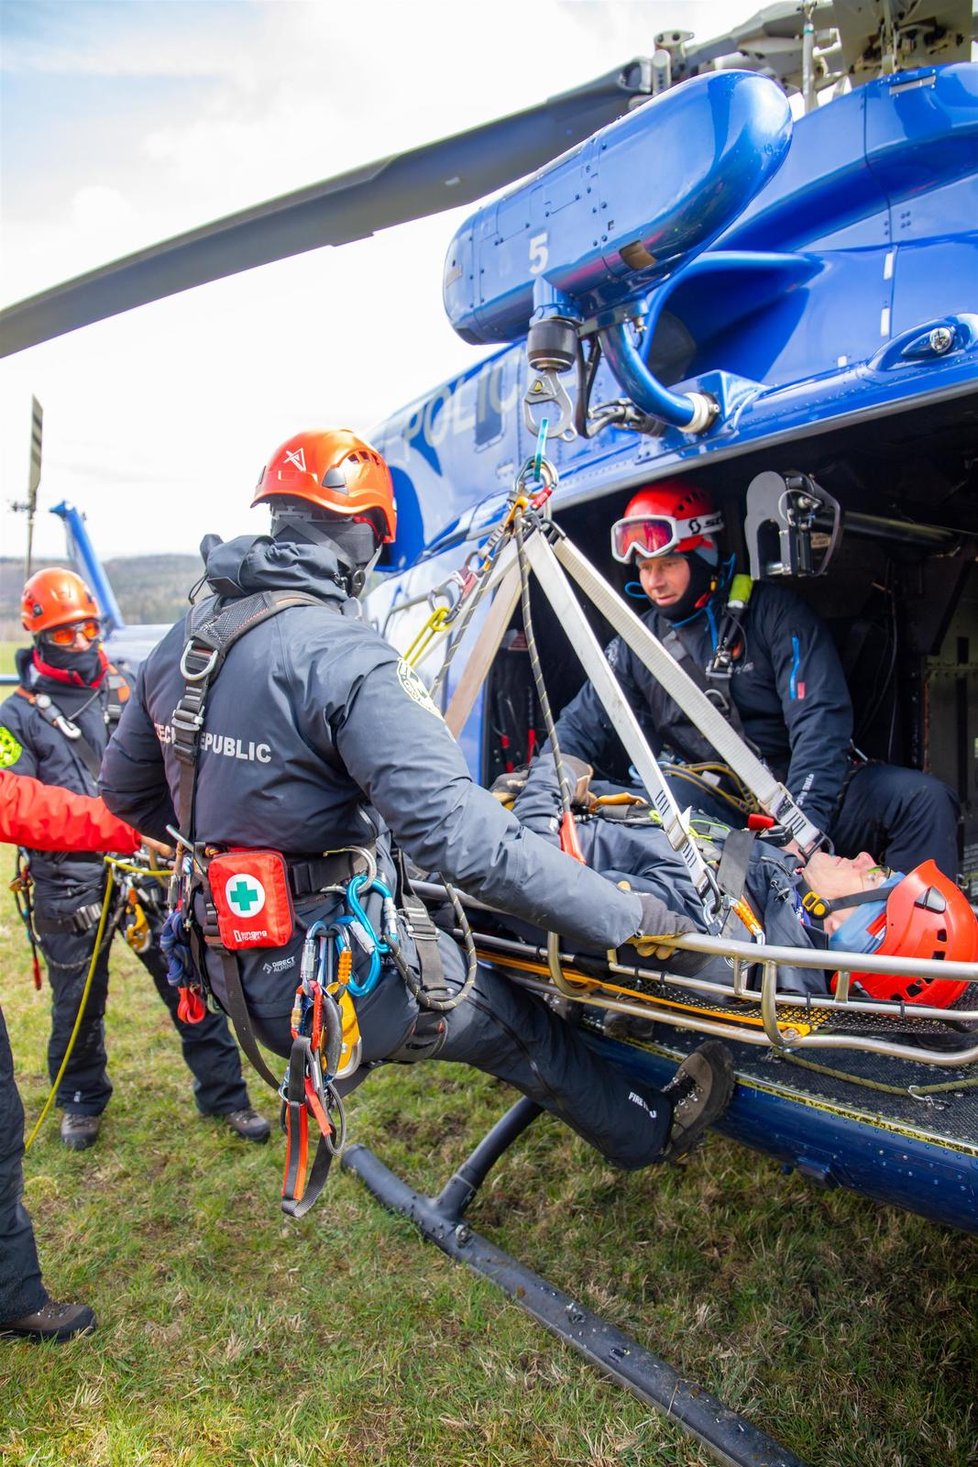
point(249, 1125)
point(79, 1132)
point(700, 1092)
point(53, 1321)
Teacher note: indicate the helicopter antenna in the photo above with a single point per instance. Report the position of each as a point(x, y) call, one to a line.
point(29, 505)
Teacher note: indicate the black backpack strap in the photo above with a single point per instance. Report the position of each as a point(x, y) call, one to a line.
point(213, 627)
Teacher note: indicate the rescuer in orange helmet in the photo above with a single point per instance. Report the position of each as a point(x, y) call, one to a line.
point(56, 727)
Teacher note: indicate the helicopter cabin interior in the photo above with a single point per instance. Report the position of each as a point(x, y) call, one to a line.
point(900, 594)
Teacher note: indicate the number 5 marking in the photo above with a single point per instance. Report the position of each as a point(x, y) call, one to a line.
point(539, 254)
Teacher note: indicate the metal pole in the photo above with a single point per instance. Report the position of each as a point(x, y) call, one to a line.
point(33, 478)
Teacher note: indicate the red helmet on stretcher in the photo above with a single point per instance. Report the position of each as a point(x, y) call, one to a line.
point(925, 916)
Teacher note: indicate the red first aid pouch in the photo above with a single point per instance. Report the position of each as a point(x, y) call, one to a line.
point(250, 892)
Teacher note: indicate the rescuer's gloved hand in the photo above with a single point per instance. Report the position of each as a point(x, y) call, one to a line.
point(507, 786)
point(578, 776)
point(658, 924)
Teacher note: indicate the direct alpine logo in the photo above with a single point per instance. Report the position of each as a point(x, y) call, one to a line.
point(244, 894)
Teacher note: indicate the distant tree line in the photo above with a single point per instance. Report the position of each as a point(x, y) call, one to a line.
point(148, 588)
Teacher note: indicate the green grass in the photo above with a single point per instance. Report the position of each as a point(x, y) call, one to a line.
point(229, 1336)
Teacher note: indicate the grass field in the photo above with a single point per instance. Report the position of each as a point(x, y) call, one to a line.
point(228, 1336)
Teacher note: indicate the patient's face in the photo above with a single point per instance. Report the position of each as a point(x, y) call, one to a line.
point(838, 876)
point(664, 578)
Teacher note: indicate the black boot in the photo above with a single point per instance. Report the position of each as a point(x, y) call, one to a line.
point(53, 1321)
point(700, 1092)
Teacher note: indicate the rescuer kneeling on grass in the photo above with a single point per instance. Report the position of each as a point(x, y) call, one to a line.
point(293, 747)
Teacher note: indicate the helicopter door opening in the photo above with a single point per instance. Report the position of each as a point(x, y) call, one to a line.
point(899, 594)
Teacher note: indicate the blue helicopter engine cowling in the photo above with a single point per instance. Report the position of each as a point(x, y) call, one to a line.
point(609, 219)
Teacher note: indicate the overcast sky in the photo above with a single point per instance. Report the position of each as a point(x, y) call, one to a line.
point(127, 121)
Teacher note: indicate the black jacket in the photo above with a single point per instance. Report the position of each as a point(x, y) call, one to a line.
point(318, 736)
point(788, 687)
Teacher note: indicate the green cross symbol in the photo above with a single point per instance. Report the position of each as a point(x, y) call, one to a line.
point(242, 895)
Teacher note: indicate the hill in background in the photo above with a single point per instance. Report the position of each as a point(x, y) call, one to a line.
point(148, 588)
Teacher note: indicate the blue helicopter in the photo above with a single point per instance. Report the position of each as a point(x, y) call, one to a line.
point(779, 299)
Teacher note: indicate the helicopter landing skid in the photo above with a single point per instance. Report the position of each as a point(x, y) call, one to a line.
point(731, 1438)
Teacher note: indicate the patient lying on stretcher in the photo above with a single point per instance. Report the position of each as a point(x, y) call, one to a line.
point(849, 905)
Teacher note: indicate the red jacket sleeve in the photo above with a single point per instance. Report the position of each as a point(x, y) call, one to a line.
point(46, 817)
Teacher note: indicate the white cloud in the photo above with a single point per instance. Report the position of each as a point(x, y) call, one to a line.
point(156, 422)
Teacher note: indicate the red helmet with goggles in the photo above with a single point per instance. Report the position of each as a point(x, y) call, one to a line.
point(926, 916)
point(669, 518)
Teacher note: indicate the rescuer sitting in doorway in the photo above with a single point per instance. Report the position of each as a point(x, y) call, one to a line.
point(351, 756)
point(773, 670)
point(55, 727)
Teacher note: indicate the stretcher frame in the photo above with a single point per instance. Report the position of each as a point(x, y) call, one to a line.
point(550, 554)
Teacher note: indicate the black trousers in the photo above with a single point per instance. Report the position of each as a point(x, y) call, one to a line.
point(499, 1028)
point(21, 1289)
point(208, 1048)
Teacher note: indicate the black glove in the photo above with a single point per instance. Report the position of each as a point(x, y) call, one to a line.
point(658, 922)
point(578, 776)
point(507, 786)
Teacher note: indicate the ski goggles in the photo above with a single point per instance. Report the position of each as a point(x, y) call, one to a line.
point(90, 629)
point(647, 535)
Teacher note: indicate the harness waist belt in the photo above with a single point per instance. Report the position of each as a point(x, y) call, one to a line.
point(336, 868)
point(81, 920)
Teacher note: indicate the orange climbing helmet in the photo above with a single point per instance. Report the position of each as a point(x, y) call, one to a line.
point(54, 598)
point(336, 471)
point(922, 915)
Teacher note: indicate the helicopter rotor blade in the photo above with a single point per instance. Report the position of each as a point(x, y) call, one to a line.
point(410, 185)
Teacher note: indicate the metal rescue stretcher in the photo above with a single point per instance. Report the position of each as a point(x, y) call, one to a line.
point(749, 1010)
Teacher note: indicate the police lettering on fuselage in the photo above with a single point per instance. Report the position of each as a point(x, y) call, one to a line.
point(226, 744)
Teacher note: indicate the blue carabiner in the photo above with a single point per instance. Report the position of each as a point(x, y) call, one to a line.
point(358, 914)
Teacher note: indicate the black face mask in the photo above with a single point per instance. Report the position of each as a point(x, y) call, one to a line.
point(354, 540)
point(702, 580)
point(87, 664)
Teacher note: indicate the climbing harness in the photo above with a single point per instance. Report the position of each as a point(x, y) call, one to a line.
point(110, 914)
point(226, 902)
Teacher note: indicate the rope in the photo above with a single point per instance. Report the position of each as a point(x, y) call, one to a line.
point(909, 1092)
point(537, 670)
point(96, 954)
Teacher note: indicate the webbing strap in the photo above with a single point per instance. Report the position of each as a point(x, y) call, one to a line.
point(770, 794)
point(735, 862)
point(722, 701)
point(240, 1017)
point(299, 1192)
point(424, 932)
point(77, 742)
point(212, 630)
